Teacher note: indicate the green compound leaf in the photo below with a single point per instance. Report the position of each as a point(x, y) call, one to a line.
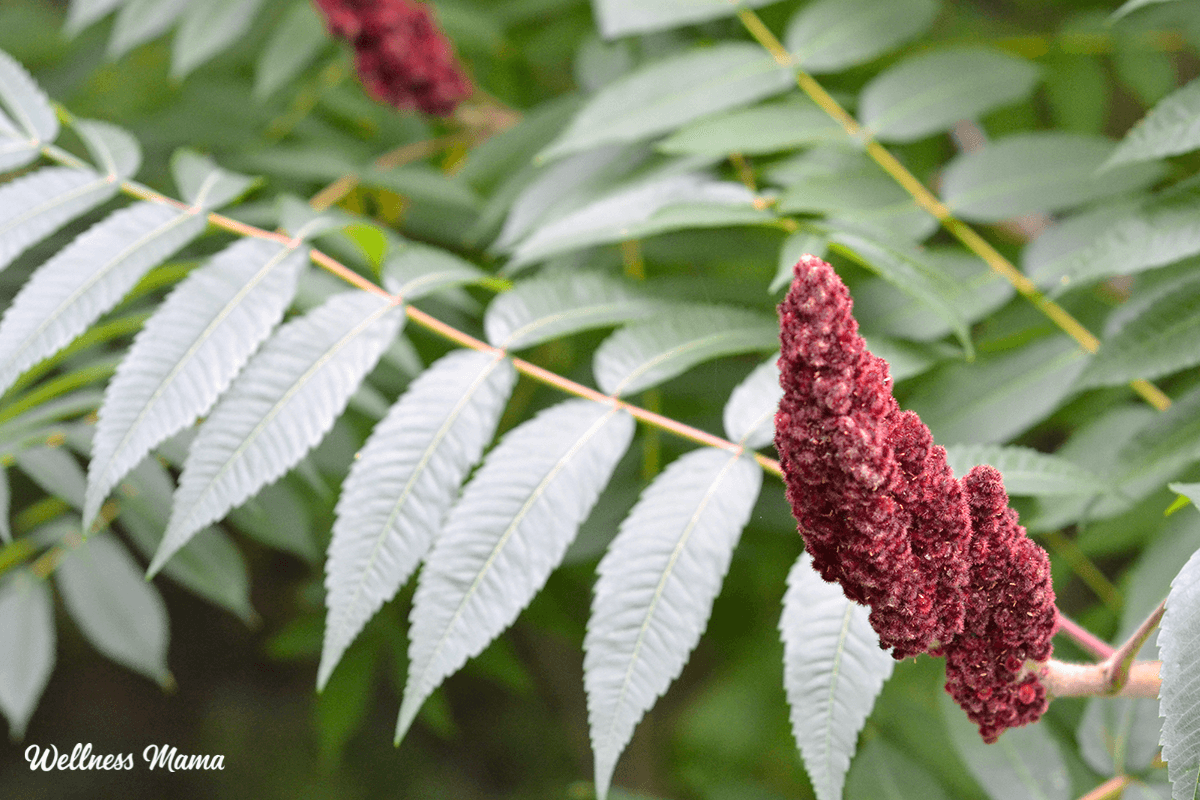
point(1179, 646)
point(187, 354)
point(402, 484)
point(831, 35)
point(140, 21)
point(1171, 127)
point(207, 28)
point(205, 185)
point(930, 93)
point(36, 205)
point(278, 408)
point(506, 534)
point(116, 609)
point(646, 354)
point(750, 412)
point(27, 103)
point(291, 47)
point(1162, 338)
point(881, 771)
point(786, 125)
point(1025, 764)
point(1027, 473)
point(68, 293)
point(664, 95)
point(414, 270)
point(655, 591)
point(545, 308)
point(833, 669)
point(26, 646)
point(1037, 172)
point(623, 17)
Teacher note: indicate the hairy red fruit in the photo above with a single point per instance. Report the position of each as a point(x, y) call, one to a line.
point(942, 563)
point(401, 56)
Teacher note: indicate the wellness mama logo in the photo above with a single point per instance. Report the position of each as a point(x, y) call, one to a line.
point(48, 759)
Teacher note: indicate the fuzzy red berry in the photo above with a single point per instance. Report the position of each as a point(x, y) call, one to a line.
point(943, 563)
point(401, 56)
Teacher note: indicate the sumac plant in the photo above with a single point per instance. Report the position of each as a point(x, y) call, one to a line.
point(544, 313)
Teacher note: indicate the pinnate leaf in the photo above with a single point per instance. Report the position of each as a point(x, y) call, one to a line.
point(415, 270)
point(1024, 764)
point(833, 669)
point(646, 354)
point(83, 13)
point(68, 293)
point(541, 309)
point(1031, 172)
point(26, 646)
point(292, 45)
point(142, 20)
point(929, 93)
point(203, 184)
point(27, 103)
point(762, 129)
point(207, 28)
point(655, 591)
point(508, 531)
point(116, 609)
point(35, 205)
point(1026, 472)
point(402, 484)
point(831, 35)
point(279, 407)
point(188, 353)
point(881, 771)
point(750, 413)
point(1163, 338)
point(1179, 698)
point(1170, 128)
point(664, 95)
point(623, 17)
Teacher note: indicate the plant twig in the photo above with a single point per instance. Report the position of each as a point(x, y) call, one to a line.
point(930, 203)
point(1111, 789)
point(1118, 665)
point(1065, 679)
point(1084, 638)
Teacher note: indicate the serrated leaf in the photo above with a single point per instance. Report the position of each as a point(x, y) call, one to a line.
point(1179, 647)
point(113, 149)
point(623, 17)
point(27, 643)
point(998, 396)
point(415, 270)
point(1027, 473)
point(140, 21)
point(645, 354)
point(904, 267)
point(1168, 443)
point(25, 100)
point(763, 129)
point(87, 278)
point(561, 187)
point(833, 669)
point(623, 213)
point(545, 308)
point(1037, 172)
point(35, 205)
point(279, 407)
point(1168, 129)
point(831, 35)
point(1024, 764)
point(401, 485)
point(749, 415)
point(973, 289)
point(187, 354)
point(1119, 735)
point(16, 150)
point(881, 771)
point(508, 531)
point(203, 184)
point(1163, 338)
point(208, 27)
point(118, 612)
point(664, 95)
point(209, 565)
point(795, 245)
point(55, 470)
point(291, 47)
point(930, 93)
point(82, 13)
point(655, 591)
